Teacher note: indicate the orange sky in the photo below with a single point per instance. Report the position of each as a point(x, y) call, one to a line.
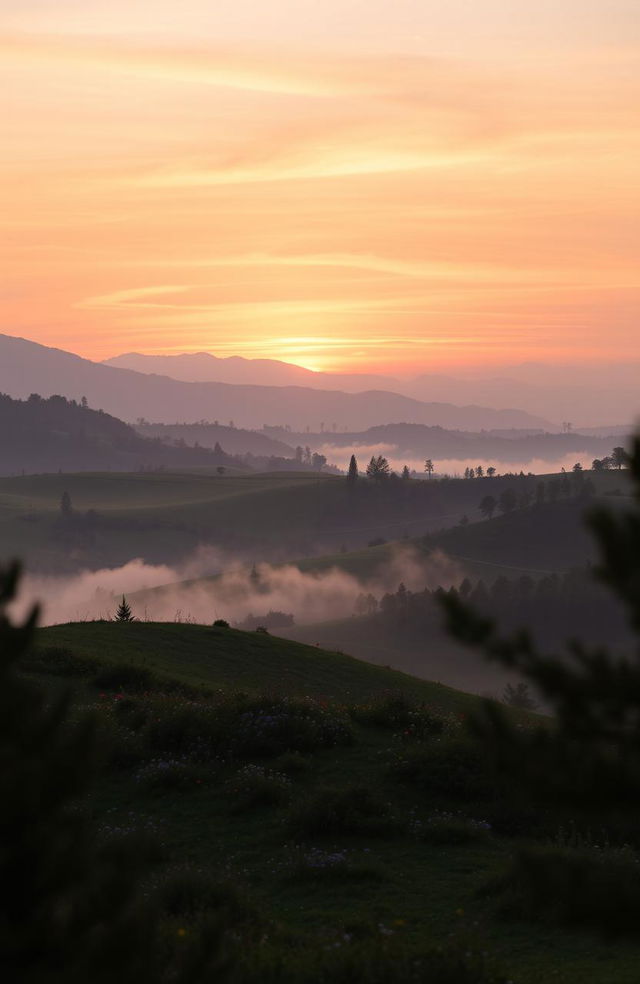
point(347, 185)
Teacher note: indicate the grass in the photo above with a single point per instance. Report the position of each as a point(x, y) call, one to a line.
point(246, 827)
point(223, 659)
point(163, 517)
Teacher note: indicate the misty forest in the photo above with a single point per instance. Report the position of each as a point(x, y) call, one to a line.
point(319, 492)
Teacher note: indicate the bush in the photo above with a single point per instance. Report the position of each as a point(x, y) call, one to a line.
point(220, 623)
point(59, 661)
point(255, 786)
point(236, 727)
point(124, 677)
point(189, 893)
point(450, 767)
point(354, 810)
point(385, 711)
point(454, 830)
point(169, 773)
point(373, 960)
point(586, 887)
point(292, 763)
point(314, 864)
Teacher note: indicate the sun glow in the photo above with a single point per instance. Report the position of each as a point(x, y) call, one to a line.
point(352, 205)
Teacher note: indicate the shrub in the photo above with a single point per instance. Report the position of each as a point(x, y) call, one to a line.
point(169, 773)
point(59, 661)
point(239, 727)
point(446, 828)
point(450, 767)
point(254, 786)
point(385, 711)
point(586, 887)
point(292, 763)
point(313, 864)
point(190, 894)
point(374, 960)
point(353, 810)
point(220, 623)
point(123, 677)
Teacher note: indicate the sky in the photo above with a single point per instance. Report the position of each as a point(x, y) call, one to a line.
point(390, 185)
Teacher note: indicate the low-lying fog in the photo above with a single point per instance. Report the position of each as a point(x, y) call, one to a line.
point(451, 466)
point(163, 593)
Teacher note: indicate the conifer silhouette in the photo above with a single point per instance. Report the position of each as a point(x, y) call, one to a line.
point(123, 612)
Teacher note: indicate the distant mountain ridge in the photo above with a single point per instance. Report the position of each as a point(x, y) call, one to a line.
point(27, 367)
point(203, 367)
point(584, 395)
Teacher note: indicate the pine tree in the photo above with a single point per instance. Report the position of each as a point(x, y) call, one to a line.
point(352, 474)
point(66, 507)
point(586, 761)
point(124, 613)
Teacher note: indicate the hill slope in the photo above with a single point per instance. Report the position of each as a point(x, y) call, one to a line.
point(227, 659)
point(55, 434)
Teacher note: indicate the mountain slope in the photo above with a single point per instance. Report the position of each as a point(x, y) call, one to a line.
point(202, 367)
point(26, 367)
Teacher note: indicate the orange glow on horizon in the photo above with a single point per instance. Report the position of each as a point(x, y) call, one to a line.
point(407, 200)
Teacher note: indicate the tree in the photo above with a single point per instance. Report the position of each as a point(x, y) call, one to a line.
point(507, 501)
point(488, 506)
point(577, 468)
point(406, 474)
point(123, 612)
point(378, 468)
point(73, 908)
point(491, 471)
point(619, 458)
point(519, 696)
point(318, 461)
point(586, 763)
point(352, 474)
point(429, 467)
point(479, 472)
point(66, 507)
point(597, 465)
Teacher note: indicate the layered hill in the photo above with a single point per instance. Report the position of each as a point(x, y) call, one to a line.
point(418, 440)
point(55, 434)
point(26, 368)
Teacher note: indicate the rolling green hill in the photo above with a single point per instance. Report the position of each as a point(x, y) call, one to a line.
point(226, 659)
point(340, 846)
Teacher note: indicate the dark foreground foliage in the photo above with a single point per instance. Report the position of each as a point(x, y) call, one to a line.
point(72, 906)
point(587, 760)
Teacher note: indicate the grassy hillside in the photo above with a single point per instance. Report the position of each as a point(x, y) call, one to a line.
point(161, 517)
point(347, 833)
point(226, 659)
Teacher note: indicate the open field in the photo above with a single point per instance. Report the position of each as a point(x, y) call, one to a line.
point(411, 874)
